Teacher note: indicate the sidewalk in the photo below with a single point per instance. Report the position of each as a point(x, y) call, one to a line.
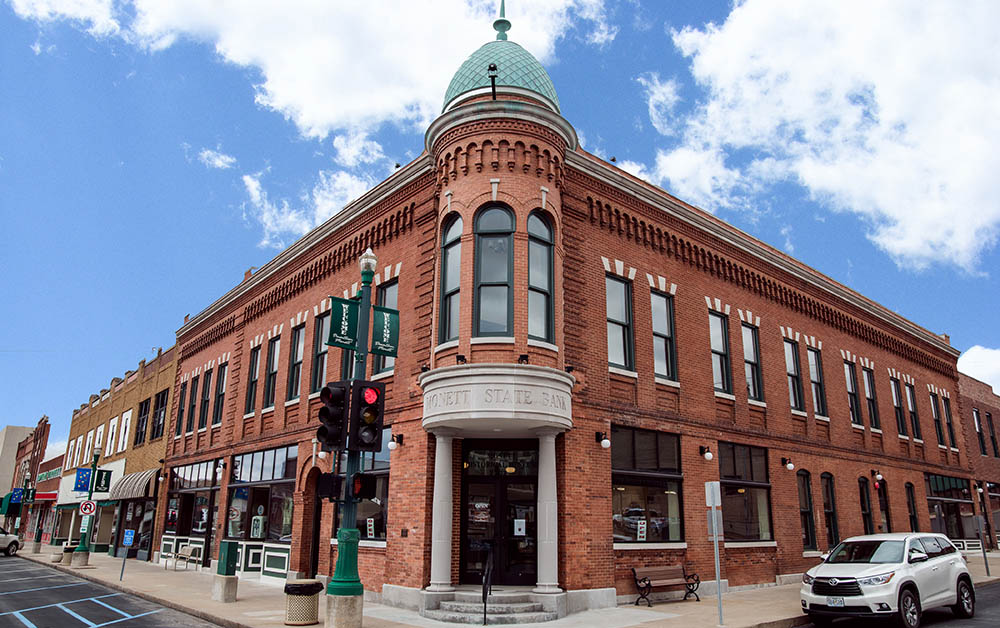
point(263, 605)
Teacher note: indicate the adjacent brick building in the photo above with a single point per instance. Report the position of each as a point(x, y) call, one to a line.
point(551, 302)
point(980, 414)
point(28, 455)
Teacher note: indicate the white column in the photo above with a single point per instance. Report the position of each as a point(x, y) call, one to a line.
point(441, 516)
point(548, 515)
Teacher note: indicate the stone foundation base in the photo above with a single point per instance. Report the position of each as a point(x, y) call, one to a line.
point(224, 588)
point(562, 603)
point(344, 611)
point(80, 559)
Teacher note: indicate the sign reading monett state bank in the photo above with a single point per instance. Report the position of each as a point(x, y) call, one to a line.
point(487, 397)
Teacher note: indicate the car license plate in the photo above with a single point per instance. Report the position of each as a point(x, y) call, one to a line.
point(835, 602)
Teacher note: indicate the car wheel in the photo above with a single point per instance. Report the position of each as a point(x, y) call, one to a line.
point(909, 609)
point(12, 548)
point(966, 605)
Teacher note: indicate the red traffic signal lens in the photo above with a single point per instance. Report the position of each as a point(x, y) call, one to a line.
point(370, 395)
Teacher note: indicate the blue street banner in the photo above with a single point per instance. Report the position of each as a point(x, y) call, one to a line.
point(129, 536)
point(82, 484)
point(16, 495)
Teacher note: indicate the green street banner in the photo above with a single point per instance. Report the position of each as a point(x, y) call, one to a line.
point(103, 484)
point(343, 323)
point(385, 331)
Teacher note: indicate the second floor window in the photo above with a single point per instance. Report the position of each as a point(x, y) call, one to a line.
point(851, 378)
point(298, 349)
point(193, 406)
point(897, 405)
point(271, 372)
point(948, 424)
point(220, 394)
point(979, 430)
point(993, 435)
point(494, 307)
point(719, 331)
point(794, 376)
point(869, 378)
point(142, 422)
point(540, 316)
point(252, 373)
point(322, 332)
point(159, 414)
point(206, 400)
point(911, 405)
point(182, 398)
point(664, 357)
point(936, 417)
point(451, 272)
point(751, 363)
point(388, 296)
point(619, 312)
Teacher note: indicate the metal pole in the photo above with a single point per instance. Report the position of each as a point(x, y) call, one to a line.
point(982, 542)
point(84, 545)
point(346, 580)
point(718, 571)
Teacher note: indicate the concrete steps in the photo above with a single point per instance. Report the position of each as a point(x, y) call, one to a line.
point(501, 608)
point(491, 618)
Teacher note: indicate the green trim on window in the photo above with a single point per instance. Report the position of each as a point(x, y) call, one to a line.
point(478, 284)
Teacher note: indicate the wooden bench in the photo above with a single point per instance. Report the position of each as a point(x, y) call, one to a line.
point(649, 578)
point(187, 553)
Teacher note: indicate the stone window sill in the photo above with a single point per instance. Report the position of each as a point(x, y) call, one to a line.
point(363, 543)
point(904, 437)
point(801, 413)
point(541, 344)
point(638, 546)
point(858, 427)
point(722, 395)
point(875, 430)
point(291, 402)
point(383, 375)
point(623, 372)
point(315, 395)
point(820, 417)
point(749, 544)
point(755, 402)
point(451, 344)
point(492, 340)
point(668, 382)
point(250, 415)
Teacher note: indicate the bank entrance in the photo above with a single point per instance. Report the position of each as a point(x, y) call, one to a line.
point(499, 502)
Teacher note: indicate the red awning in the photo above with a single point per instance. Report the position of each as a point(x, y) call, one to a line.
point(46, 497)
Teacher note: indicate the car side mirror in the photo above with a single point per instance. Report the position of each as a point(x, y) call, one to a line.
point(823, 557)
point(918, 557)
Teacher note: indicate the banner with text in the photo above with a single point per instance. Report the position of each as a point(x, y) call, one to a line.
point(343, 323)
point(385, 331)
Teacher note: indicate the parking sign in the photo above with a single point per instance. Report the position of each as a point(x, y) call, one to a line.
point(129, 537)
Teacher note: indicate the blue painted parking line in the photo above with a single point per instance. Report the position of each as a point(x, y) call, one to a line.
point(83, 599)
point(107, 606)
point(115, 621)
point(23, 620)
point(55, 575)
point(86, 621)
point(58, 586)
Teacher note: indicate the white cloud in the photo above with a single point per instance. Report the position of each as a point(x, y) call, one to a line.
point(789, 247)
point(661, 99)
point(886, 110)
point(355, 148)
point(54, 449)
point(982, 363)
point(95, 15)
point(635, 169)
point(216, 159)
point(281, 221)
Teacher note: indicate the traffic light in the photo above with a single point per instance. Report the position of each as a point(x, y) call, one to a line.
point(367, 413)
point(363, 486)
point(332, 432)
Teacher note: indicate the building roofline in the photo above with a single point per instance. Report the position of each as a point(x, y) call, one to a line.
point(664, 201)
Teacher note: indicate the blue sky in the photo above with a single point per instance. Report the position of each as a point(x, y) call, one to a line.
point(151, 152)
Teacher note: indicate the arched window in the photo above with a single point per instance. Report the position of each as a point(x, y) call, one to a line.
point(451, 267)
point(540, 316)
point(911, 506)
point(829, 510)
point(806, 510)
point(866, 505)
point(493, 309)
point(882, 492)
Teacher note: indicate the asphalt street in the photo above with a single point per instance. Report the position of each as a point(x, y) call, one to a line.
point(36, 596)
point(987, 614)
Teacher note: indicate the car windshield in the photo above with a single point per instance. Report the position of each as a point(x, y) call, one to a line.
point(867, 552)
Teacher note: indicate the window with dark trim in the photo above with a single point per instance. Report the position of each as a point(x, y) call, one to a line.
point(182, 398)
point(746, 493)
point(271, 372)
point(947, 422)
point(868, 376)
point(193, 405)
point(618, 295)
point(806, 516)
point(371, 511)
point(882, 494)
point(296, 354)
point(897, 405)
point(751, 362)
point(493, 307)
point(866, 506)
point(261, 486)
point(387, 295)
point(794, 376)
point(664, 353)
point(829, 510)
point(159, 414)
point(911, 507)
point(993, 435)
point(142, 422)
point(936, 416)
point(979, 431)
point(911, 404)
point(220, 393)
point(206, 399)
point(540, 314)
point(719, 331)
point(451, 271)
point(816, 380)
point(346, 364)
point(254, 372)
point(647, 505)
point(851, 378)
point(320, 334)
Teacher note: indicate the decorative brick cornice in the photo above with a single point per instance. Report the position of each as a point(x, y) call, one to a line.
point(748, 317)
point(213, 335)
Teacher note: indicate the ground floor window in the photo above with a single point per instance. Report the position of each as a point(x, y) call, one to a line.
point(911, 507)
point(371, 514)
point(646, 509)
point(261, 513)
point(993, 490)
point(746, 493)
point(949, 502)
point(806, 510)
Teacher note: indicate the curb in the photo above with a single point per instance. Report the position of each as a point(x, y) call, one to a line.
point(187, 610)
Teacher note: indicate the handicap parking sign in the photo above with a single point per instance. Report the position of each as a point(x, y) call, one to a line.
point(129, 536)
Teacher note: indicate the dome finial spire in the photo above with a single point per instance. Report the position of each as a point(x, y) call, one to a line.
point(502, 24)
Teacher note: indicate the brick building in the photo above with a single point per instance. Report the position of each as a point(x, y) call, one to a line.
point(573, 342)
point(980, 414)
point(46, 484)
point(124, 427)
point(28, 455)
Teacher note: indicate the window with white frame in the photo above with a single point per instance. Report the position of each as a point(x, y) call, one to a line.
point(719, 340)
point(112, 437)
point(794, 376)
point(869, 379)
point(123, 433)
point(664, 355)
point(298, 350)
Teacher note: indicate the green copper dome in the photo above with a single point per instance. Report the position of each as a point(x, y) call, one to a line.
point(515, 68)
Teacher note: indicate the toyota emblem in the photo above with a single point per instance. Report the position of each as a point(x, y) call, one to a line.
point(833, 582)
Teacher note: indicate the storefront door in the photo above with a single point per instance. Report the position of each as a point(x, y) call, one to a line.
point(499, 500)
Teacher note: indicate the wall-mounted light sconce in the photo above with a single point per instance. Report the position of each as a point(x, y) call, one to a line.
point(424, 368)
point(322, 455)
point(877, 475)
point(522, 359)
point(979, 488)
point(787, 463)
point(395, 441)
point(705, 452)
point(602, 438)
point(569, 369)
point(160, 479)
point(460, 358)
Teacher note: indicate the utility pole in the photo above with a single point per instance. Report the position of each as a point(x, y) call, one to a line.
point(81, 556)
point(345, 606)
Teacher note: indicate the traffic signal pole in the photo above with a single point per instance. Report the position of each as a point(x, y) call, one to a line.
point(345, 608)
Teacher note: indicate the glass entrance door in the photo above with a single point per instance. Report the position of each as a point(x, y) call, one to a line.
point(499, 501)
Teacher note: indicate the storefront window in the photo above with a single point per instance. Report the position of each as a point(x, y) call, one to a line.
point(646, 486)
point(199, 514)
point(372, 513)
point(237, 517)
point(746, 493)
point(260, 497)
point(949, 503)
point(279, 517)
point(173, 506)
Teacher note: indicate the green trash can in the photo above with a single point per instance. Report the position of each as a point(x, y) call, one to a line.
point(228, 551)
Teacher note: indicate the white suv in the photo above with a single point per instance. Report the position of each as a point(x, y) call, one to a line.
point(8, 543)
point(881, 575)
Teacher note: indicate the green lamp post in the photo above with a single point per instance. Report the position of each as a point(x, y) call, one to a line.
point(82, 553)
